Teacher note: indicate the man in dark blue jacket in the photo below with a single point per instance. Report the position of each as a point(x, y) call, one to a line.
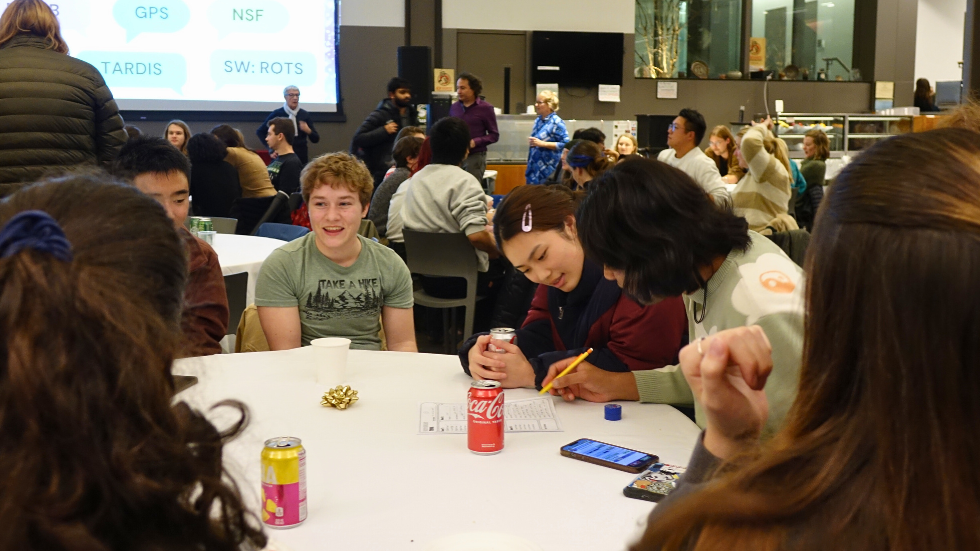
point(302, 121)
point(374, 139)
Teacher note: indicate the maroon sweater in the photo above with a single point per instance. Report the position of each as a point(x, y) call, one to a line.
point(204, 320)
point(624, 336)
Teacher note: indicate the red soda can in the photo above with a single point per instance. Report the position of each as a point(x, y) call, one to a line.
point(505, 334)
point(485, 421)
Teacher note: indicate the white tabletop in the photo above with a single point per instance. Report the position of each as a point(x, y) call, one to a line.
point(244, 253)
point(375, 483)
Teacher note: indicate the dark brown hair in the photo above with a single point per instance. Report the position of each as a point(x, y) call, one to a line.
point(589, 156)
point(473, 81)
point(284, 126)
point(32, 17)
point(227, 134)
point(93, 452)
point(550, 207)
point(923, 90)
point(879, 449)
point(821, 142)
point(406, 147)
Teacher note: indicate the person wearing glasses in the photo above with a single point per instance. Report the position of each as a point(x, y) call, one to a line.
point(684, 135)
point(548, 138)
point(302, 123)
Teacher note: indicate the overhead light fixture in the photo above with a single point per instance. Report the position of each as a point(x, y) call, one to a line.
point(828, 4)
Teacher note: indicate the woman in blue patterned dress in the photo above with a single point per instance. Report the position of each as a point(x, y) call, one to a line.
point(548, 137)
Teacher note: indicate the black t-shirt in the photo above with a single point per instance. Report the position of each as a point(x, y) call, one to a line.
point(284, 172)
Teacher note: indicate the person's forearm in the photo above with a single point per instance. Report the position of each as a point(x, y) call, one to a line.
point(403, 346)
point(663, 386)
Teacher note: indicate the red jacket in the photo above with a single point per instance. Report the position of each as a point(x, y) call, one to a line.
point(204, 320)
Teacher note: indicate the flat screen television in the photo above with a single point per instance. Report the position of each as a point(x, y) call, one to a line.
point(576, 58)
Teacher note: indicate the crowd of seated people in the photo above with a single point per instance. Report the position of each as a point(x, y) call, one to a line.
point(823, 390)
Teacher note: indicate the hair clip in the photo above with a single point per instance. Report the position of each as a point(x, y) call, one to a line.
point(526, 219)
point(37, 230)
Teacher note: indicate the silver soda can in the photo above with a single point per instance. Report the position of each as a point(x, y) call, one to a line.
point(505, 334)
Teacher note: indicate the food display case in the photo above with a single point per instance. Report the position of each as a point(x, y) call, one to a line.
point(848, 133)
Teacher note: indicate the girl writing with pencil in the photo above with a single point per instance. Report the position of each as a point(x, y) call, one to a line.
point(574, 308)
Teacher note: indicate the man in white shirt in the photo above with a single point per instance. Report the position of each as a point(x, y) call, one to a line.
point(684, 136)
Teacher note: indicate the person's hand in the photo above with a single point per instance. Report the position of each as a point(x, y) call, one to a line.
point(391, 127)
point(730, 179)
point(273, 154)
point(510, 367)
point(305, 128)
point(472, 144)
point(590, 383)
point(728, 380)
point(534, 142)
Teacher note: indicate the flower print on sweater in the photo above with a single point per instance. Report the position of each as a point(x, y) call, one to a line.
point(772, 284)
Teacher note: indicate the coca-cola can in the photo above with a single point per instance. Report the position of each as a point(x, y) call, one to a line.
point(505, 334)
point(485, 422)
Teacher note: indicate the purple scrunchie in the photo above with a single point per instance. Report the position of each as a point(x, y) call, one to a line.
point(34, 229)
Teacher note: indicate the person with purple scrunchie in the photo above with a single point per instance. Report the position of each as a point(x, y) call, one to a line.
point(34, 229)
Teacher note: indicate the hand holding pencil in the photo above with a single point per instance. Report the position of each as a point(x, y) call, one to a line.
point(581, 357)
point(589, 382)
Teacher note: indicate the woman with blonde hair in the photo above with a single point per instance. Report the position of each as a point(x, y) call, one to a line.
point(548, 137)
point(763, 194)
point(57, 110)
point(626, 145)
point(879, 450)
point(721, 150)
point(177, 133)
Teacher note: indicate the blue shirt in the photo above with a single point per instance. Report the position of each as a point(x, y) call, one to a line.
point(542, 162)
point(798, 183)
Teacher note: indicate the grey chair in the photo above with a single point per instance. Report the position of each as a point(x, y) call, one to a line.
point(236, 287)
point(224, 225)
point(446, 255)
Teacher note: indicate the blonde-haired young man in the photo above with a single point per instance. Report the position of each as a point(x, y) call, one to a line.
point(332, 282)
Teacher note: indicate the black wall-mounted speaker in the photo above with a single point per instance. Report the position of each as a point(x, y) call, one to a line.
point(415, 66)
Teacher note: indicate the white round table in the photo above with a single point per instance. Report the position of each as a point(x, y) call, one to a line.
point(375, 483)
point(244, 253)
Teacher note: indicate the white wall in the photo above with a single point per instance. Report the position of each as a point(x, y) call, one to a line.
point(614, 16)
point(939, 40)
point(372, 13)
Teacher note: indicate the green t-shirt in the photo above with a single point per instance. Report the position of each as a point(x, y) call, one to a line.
point(335, 301)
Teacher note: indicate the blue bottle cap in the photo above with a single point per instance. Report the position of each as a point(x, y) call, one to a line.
point(614, 412)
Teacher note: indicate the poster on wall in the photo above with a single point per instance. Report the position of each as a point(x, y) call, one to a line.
point(444, 81)
point(757, 54)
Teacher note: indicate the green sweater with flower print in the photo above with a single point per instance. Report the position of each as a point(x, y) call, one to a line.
point(760, 286)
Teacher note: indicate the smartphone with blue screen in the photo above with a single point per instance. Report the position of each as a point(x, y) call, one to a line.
point(608, 455)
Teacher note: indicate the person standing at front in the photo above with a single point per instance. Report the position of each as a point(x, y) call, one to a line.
point(375, 138)
point(481, 119)
point(548, 137)
point(303, 129)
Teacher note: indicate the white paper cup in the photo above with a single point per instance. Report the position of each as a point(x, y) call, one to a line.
point(330, 360)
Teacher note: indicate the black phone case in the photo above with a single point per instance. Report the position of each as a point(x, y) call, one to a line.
point(655, 483)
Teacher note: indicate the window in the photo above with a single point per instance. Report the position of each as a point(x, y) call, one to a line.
point(812, 39)
point(678, 38)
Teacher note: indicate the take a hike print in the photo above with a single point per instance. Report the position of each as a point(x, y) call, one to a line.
point(343, 299)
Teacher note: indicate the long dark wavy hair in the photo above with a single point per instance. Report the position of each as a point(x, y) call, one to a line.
point(879, 450)
point(94, 456)
point(658, 225)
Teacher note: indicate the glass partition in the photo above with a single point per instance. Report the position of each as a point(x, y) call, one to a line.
point(806, 39)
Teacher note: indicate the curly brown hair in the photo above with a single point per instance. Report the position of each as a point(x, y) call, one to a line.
point(337, 168)
point(94, 455)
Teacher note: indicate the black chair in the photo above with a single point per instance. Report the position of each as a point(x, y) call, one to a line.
point(445, 255)
point(252, 212)
point(236, 287)
point(295, 201)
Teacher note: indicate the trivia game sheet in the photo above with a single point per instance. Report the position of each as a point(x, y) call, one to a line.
point(532, 415)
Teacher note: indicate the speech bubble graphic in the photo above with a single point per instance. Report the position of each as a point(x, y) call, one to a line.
point(247, 16)
point(262, 68)
point(140, 70)
point(151, 16)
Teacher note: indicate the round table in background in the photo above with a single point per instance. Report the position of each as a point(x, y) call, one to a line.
point(244, 253)
point(375, 483)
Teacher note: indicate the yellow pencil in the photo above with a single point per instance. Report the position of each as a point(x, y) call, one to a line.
point(571, 366)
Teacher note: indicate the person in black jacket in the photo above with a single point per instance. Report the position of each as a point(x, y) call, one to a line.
point(56, 110)
point(301, 119)
point(214, 183)
point(374, 139)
